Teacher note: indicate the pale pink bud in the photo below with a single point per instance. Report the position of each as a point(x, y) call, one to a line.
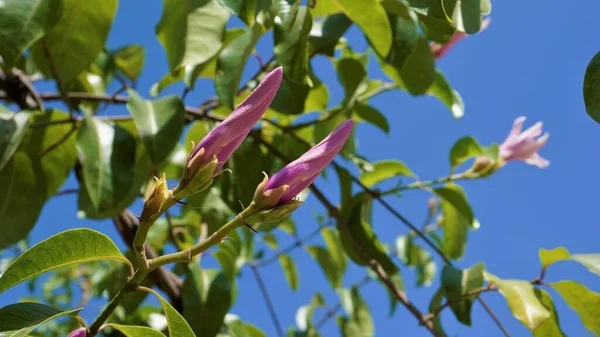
point(300, 173)
point(223, 140)
point(440, 50)
point(78, 333)
point(524, 145)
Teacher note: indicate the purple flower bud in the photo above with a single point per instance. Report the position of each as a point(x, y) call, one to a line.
point(300, 173)
point(524, 145)
point(440, 50)
point(78, 333)
point(223, 140)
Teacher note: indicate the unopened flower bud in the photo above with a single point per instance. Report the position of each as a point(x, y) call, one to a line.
point(155, 198)
point(277, 213)
point(198, 175)
point(78, 333)
point(269, 198)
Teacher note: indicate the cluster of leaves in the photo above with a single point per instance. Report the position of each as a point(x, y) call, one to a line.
point(113, 159)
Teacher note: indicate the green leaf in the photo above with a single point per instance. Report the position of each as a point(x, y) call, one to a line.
point(466, 15)
point(325, 34)
point(370, 16)
point(237, 328)
point(291, 97)
point(583, 301)
point(136, 331)
point(522, 301)
point(345, 185)
point(176, 324)
point(434, 305)
point(304, 315)
point(291, 45)
point(334, 245)
point(358, 311)
point(385, 169)
point(231, 62)
point(371, 115)
point(270, 240)
point(591, 88)
point(318, 96)
point(551, 256)
point(29, 179)
point(22, 23)
point(130, 60)
point(112, 168)
point(332, 271)
point(463, 150)
point(12, 131)
point(457, 218)
point(69, 247)
point(551, 326)
point(217, 298)
point(457, 283)
point(159, 123)
point(418, 69)
point(445, 93)
point(290, 270)
point(590, 261)
point(416, 256)
point(77, 38)
point(19, 319)
point(360, 233)
point(351, 74)
point(192, 33)
point(435, 29)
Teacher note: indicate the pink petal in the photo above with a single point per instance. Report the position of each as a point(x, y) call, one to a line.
point(537, 160)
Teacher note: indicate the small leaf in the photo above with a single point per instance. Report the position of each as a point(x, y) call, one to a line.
point(231, 62)
point(371, 115)
point(434, 305)
point(22, 23)
point(318, 96)
point(522, 301)
point(69, 247)
point(383, 170)
point(12, 131)
point(351, 74)
point(191, 34)
point(548, 257)
point(591, 88)
point(326, 34)
point(358, 311)
point(290, 270)
point(29, 179)
point(136, 331)
point(77, 38)
point(445, 93)
point(345, 185)
point(551, 326)
point(457, 283)
point(466, 15)
point(583, 301)
point(334, 245)
point(159, 123)
point(130, 60)
point(463, 150)
point(590, 261)
point(416, 256)
point(291, 44)
point(328, 265)
point(457, 218)
point(304, 315)
point(370, 16)
point(19, 319)
point(270, 240)
point(176, 324)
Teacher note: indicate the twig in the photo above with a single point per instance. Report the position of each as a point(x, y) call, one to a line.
point(268, 301)
point(494, 317)
point(489, 287)
point(66, 191)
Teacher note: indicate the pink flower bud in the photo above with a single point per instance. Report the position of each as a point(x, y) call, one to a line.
point(223, 140)
point(78, 333)
point(300, 173)
point(440, 50)
point(524, 145)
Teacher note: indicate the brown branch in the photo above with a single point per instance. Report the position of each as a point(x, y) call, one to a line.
point(268, 302)
point(494, 317)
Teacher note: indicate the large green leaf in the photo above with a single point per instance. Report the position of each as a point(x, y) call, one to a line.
point(231, 62)
point(444, 92)
point(522, 301)
point(29, 179)
point(370, 16)
point(591, 88)
point(290, 271)
point(136, 331)
point(457, 218)
point(457, 283)
point(551, 326)
point(352, 75)
point(19, 319)
point(22, 23)
point(385, 169)
point(69, 247)
point(113, 169)
point(466, 14)
point(291, 45)
point(159, 123)
point(358, 311)
point(326, 34)
point(176, 324)
point(130, 60)
point(12, 131)
point(191, 32)
point(77, 38)
point(551, 256)
point(334, 245)
point(328, 265)
point(237, 328)
point(583, 301)
point(371, 115)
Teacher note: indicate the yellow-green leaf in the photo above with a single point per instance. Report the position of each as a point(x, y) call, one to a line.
point(583, 301)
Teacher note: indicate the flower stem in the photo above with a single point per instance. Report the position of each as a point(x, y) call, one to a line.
point(424, 184)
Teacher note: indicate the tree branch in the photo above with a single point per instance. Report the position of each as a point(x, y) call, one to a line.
point(268, 302)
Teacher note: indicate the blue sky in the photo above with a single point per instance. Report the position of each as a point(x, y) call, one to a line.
point(530, 61)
